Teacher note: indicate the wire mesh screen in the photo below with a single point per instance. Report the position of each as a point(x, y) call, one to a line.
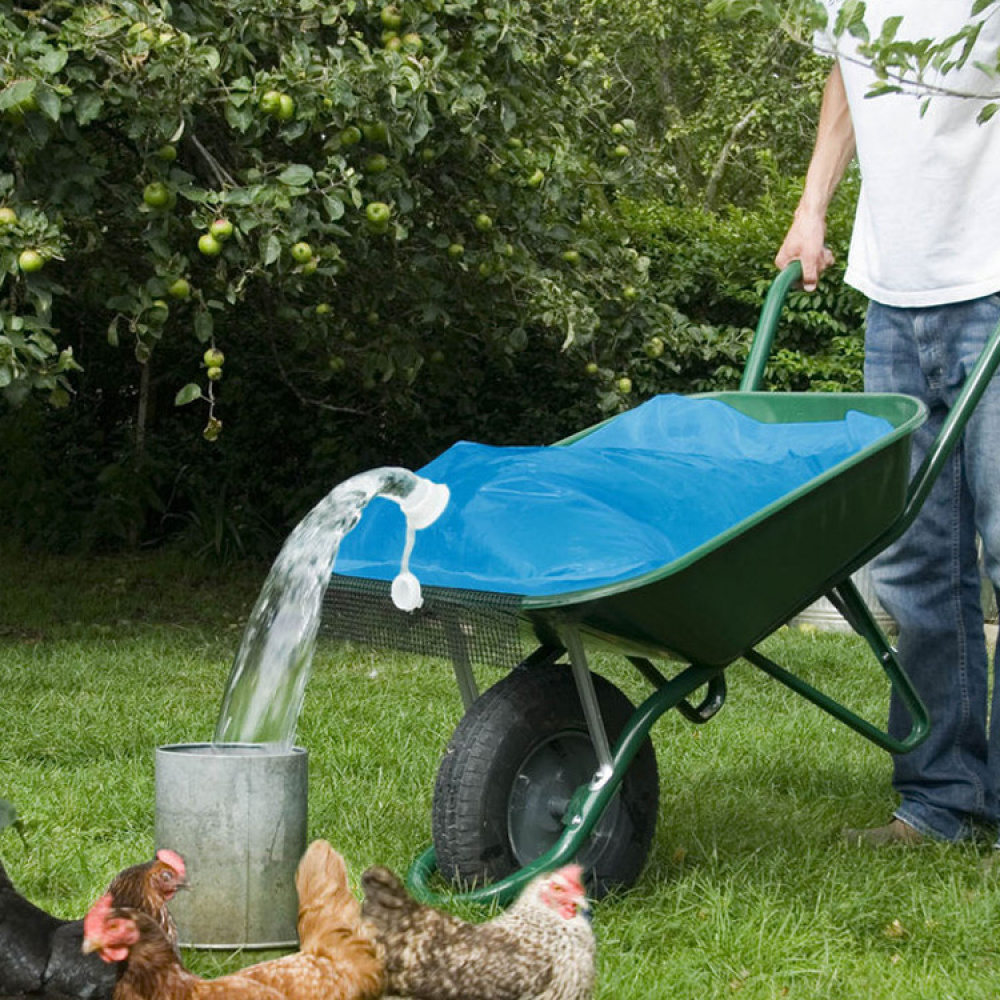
point(480, 626)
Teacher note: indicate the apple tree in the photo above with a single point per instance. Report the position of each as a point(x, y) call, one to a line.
point(355, 188)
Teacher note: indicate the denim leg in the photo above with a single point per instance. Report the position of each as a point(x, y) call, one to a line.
point(929, 579)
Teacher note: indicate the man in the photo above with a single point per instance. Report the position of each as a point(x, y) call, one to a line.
point(926, 251)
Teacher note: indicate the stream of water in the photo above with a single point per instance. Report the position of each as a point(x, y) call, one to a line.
point(267, 683)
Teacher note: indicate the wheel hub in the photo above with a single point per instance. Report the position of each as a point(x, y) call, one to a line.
point(541, 793)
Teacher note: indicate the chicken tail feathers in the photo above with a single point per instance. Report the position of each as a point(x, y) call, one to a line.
point(384, 893)
point(330, 923)
point(326, 903)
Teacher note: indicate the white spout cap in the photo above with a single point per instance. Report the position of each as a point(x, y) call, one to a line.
point(405, 592)
point(425, 503)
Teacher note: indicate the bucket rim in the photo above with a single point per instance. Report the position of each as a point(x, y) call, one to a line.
point(208, 748)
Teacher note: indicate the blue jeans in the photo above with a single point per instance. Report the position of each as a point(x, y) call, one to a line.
point(929, 580)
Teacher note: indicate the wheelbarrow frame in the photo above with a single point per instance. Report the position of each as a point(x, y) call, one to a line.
point(560, 629)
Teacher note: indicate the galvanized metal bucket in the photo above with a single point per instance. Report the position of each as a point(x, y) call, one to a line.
point(824, 616)
point(237, 814)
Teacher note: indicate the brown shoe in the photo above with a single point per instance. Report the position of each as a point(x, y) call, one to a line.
point(896, 832)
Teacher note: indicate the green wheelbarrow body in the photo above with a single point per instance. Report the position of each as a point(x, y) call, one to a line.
point(706, 610)
point(699, 607)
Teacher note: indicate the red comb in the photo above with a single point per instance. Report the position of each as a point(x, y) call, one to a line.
point(173, 859)
point(574, 875)
point(93, 922)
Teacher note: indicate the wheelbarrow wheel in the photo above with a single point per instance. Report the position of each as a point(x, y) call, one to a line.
point(510, 770)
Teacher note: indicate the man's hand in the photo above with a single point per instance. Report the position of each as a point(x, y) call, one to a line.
point(805, 242)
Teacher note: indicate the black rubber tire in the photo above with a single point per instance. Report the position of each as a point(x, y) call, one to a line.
point(532, 724)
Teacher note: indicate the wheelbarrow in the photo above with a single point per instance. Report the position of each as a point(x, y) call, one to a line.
point(553, 763)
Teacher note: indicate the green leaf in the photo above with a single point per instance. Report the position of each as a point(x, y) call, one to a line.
point(239, 117)
point(88, 107)
point(296, 175)
point(49, 103)
point(188, 394)
point(980, 5)
point(204, 326)
point(889, 28)
point(987, 112)
point(270, 249)
point(334, 207)
point(53, 61)
point(18, 92)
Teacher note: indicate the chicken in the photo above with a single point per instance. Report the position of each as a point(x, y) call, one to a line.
point(337, 957)
point(150, 887)
point(541, 948)
point(40, 954)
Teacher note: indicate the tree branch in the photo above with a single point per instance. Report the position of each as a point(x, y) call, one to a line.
point(719, 169)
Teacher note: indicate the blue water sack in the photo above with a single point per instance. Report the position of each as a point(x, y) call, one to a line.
point(638, 493)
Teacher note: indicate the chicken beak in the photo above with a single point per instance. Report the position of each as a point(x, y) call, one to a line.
point(90, 945)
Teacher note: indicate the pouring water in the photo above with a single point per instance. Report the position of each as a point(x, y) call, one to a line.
point(267, 682)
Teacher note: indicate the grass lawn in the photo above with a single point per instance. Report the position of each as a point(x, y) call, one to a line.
point(748, 893)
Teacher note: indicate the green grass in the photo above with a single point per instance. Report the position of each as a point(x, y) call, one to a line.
point(748, 892)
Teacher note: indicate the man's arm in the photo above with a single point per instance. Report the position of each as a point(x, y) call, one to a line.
point(834, 149)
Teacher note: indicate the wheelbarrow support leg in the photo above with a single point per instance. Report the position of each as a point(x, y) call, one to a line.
point(591, 708)
point(845, 597)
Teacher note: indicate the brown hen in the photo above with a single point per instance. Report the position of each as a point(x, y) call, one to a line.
point(542, 948)
point(150, 887)
point(337, 957)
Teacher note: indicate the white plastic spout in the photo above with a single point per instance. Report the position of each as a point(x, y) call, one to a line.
point(425, 503)
point(421, 507)
point(406, 593)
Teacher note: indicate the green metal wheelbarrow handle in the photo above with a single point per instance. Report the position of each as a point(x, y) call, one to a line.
point(767, 325)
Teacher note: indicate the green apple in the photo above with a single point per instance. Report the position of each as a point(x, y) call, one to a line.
point(221, 229)
point(30, 261)
point(156, 194)
point(270, 102)
point(302, 253)
point(179, 289)
point(378, 213)
point(390, 17)
point(209, 245)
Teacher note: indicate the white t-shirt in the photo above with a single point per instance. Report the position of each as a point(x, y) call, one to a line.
point(927, 229)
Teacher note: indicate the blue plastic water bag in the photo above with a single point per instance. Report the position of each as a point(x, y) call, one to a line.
point(641, 491)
